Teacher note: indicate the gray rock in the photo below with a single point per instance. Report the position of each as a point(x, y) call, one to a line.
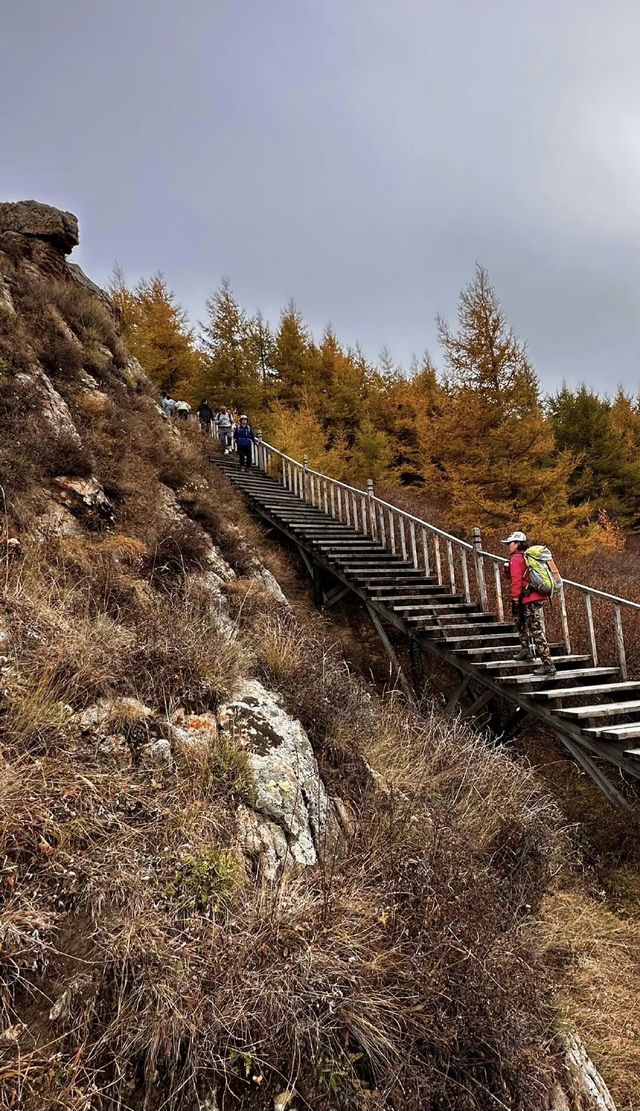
point(135, 377)
point(41, 221)
point(264, 576)
point(157, 752)
point(85, 498)
point(6, 300)
point(53, 408)
point(289, 792)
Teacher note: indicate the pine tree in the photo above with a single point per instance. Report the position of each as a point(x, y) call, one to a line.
point(491, 445)
point(607, 471)
point(232, 375)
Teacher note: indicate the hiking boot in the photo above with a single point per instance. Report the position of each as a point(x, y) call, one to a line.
point(548, 668)
point(525, 654)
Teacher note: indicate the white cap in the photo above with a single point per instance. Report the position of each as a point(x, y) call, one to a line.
point(515, 538)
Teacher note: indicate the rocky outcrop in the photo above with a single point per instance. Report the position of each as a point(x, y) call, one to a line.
point(291, 820)
point(85, 498)
point(34, 220)
point(50, 404)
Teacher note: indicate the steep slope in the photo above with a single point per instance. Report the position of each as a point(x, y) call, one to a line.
point(231, 873)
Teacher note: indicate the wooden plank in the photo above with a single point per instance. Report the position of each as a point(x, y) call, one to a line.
point(562, 675)
point(601, 710)
point(495, 665)
point(614, 732)
point(601, 688)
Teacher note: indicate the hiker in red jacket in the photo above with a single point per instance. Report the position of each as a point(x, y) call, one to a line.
point(526, 605)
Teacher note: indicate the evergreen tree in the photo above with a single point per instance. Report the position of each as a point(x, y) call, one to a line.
point(232, 375)
point(492, 448)
point(607, 472)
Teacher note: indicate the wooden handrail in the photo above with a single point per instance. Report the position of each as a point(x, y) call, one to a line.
point(409, 536)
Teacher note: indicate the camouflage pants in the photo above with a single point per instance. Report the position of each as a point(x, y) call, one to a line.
point(531, 628)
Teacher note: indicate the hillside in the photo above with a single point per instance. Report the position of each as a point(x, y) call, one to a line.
point(232, 872)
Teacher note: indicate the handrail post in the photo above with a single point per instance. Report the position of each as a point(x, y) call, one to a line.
point(260, 455)
point(372, 516)
point(622, 656)
point(305, 477)
point(476, 540)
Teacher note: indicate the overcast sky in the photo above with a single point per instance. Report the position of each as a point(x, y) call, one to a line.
point(358, 155)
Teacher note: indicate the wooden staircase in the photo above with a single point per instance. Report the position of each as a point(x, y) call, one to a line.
point(593, 709)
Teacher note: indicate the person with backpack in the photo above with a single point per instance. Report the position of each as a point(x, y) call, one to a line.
point(533, 576)
point(244, 437)
point(205, 415)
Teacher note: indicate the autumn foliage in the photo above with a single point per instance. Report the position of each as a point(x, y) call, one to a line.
point(474, 436)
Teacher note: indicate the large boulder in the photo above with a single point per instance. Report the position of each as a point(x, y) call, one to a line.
point(40, 221)
point(291, 820)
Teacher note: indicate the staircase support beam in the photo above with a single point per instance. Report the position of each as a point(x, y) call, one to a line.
point(379, 628)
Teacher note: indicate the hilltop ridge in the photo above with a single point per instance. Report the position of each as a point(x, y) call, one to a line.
point(230, 869)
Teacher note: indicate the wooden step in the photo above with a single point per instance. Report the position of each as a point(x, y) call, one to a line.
point(473, 629)
point(489, 638)
point(376, 572)
point(425, 588)
point(615, 732)
point(632, 752)
point(600, 710)
point(475, 653)
point(560, 661)
point(421, 601)
point(355, 545)
point(562, 676)
point(577, 692)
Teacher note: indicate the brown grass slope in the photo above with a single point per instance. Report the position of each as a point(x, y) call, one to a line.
point(141, 964)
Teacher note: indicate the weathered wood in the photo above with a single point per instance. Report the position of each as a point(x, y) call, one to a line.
point(425, 553)
point(479, 568)
point(564, 617)
point(600, 710)
point(378, 626)
point(436, 547)
point(480, 702)
point(452, 569)
point(465, 575)
point(577, 692)
point(498, 584)
point(622, 658)
point(591, 629)
point(457, 694)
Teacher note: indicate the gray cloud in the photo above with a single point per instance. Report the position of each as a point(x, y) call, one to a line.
point(356, 154)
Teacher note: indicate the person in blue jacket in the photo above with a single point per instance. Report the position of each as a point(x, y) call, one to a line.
point(244, 437)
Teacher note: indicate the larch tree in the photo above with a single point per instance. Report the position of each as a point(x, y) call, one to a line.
point(492, 446)
point(232, 375)
point(293, 357)
point(157, 331)
point(261, 343)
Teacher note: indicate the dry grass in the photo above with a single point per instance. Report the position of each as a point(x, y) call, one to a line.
point(601, 984)
point(140, 965)
point(327, 982)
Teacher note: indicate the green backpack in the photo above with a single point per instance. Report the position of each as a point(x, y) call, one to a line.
point(537, 559)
